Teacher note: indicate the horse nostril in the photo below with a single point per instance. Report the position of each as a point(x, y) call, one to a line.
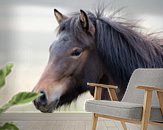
point(42, 99)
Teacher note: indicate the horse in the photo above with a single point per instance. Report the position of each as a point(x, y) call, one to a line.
point(91, 47)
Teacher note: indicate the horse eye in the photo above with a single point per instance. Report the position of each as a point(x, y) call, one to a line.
point(76, 52)
point(62, 28)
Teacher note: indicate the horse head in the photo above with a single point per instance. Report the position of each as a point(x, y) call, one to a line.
point(73, 61)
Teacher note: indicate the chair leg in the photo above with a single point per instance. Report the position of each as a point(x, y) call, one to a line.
point(146, 110)
point(124, 125)
point(144, 126)
point(94, 121)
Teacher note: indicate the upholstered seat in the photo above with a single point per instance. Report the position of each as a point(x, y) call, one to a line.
point(131, 111)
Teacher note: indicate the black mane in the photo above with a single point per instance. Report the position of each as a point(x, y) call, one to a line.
point(125, 49)
point(121, 45)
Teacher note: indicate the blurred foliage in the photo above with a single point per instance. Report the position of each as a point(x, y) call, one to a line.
point(8, 126)
point(20, 98)
point(3, 73)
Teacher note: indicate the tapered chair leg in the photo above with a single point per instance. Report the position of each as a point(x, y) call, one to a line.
point(94, 121)
point(146, 109)
point(124, 125)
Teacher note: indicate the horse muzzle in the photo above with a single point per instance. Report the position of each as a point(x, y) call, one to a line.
point(41, 103)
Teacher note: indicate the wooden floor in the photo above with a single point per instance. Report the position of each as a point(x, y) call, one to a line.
point(59, 121)
point(67, 125)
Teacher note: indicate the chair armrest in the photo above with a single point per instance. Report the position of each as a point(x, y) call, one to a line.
point(98, 90)
point(102, 85)
point(150, 88)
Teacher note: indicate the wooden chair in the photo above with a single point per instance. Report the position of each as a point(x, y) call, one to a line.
point(141, 104)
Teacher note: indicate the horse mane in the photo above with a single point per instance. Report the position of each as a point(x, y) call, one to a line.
point(120, 44)
point(124, 48)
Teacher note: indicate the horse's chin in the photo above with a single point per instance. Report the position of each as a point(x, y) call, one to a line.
point(49, 108)
point(46, 110)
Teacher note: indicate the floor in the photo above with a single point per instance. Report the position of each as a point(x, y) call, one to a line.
point(60, 121)
point(67, 125)
point(63, 121)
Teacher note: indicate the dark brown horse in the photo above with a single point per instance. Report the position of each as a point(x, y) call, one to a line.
point(93, 48)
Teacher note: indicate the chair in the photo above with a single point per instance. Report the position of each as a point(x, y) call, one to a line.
point(142, 102)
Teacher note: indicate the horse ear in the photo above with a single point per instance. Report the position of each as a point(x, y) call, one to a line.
point(84, 20)
point(59, 16)
point(86, 23)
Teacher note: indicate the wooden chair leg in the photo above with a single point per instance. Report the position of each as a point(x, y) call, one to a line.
point(146, 110)
point(160, 98)
point(124, 125)
point(94, 121)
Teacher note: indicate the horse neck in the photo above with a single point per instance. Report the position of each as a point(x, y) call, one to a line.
point(123, 50)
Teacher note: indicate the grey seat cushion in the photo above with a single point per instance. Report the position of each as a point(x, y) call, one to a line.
point(131, 111)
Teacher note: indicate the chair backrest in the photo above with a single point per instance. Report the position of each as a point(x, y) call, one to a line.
point(146, 77)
